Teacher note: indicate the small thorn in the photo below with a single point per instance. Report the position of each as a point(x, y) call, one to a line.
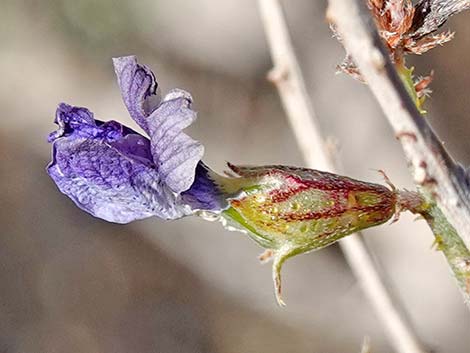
point(396, 216)
point(387, 180)
point(278, 74)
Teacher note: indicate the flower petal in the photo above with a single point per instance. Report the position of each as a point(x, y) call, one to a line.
point(206, 192)
point(138, 88)
point(108, 171)
point(175, 154)
point(72, 119)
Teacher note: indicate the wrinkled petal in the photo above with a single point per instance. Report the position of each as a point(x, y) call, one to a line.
point(108, 171)
point(175, 154)
point(431, 14)
point(138, 88)
point(116, 174)
point(70, 119)
point(205, 193)
point(134, 146)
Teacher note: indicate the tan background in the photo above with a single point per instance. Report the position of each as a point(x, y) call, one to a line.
point(72, 283)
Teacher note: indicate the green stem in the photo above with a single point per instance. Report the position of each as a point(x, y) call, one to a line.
point(406, 75)
point(446, 238)
point(448, 241)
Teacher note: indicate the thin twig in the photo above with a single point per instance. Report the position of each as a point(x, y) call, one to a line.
point(434, 171)
point(432, 167)
point(288, 79)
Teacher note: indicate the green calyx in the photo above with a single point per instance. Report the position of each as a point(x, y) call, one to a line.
point(290, 211)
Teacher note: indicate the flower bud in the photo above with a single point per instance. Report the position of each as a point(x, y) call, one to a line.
point(295, 210)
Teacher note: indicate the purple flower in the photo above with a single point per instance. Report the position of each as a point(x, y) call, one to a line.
point(115, 173)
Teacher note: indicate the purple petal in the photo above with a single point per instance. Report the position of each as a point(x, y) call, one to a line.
point(175, 154)
point(116, 174)
point(138, 88)
point(205, 193)
point(134, 146)
point(71, 118)
point(108, 171)
point(79, 122)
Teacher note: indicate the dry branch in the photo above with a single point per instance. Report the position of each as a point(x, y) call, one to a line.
point(439, 178)
point(432, 167)
point(287, 77)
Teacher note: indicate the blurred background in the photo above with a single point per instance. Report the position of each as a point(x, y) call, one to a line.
point(72, 283)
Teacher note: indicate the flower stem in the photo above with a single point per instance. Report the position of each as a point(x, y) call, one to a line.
point(448, 241)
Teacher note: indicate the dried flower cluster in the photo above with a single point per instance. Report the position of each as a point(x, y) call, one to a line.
point(401, 25)
point(407, 28)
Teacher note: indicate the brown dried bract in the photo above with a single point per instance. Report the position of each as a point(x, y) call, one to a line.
point(393, 18)
point(428, 42)
point(422, 85)
point(407, 28)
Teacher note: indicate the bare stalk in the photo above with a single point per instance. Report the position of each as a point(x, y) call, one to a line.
point(432, 167)
point(287, 77)
point(435, 173)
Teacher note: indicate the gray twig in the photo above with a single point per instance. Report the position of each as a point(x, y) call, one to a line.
point(439, 178)
point(287, 77)
point(432, 167)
